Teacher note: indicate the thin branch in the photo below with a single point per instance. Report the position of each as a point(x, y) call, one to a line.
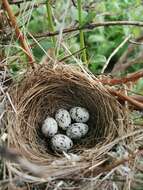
point(131, 78)
point(131, 100)
point(134, 42)
point(115, 164)
point(137, 60)
point(139, 98)
point(114, 52)
point(18, 33)
point(18, 1)
point(90, 27)
point(74, 4)
point(124, 58)
point(74, 53)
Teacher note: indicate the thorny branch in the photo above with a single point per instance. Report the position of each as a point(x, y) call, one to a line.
point(18, 33)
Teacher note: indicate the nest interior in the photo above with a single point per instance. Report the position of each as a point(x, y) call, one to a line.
point(42, 92)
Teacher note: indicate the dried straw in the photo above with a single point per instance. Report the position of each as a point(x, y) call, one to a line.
point(40, 94)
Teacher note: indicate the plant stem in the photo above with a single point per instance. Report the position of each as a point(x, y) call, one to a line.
point(18, 33)
point(50, 20)
point(91, 26)
point(82, 44)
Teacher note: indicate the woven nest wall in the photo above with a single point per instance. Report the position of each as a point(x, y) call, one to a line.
point(40, 94)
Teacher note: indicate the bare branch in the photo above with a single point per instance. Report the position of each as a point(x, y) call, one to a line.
point(121, 63)
point(90, 27)
point(18, 33)
point(114, 52)
point(130, 78)
point(129, 99)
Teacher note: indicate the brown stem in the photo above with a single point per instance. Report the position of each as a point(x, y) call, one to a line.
point(139, 98)
point(131, 100)
point(137, 60)
point(18, 33)
point(131, 78)
point(18, 1)
point(90, 26)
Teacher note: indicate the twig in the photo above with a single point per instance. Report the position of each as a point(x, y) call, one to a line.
point(126, 98)
point(139, 98)
point(18, 33)
point(115, 164)
point(91, 26)
point(114, 52)
point(68, 56)
point(134, 42)
point(121, 63)
point(103, 169)
point(18, 1)
point(131, 78)
point(131, 62)
point(74, 4)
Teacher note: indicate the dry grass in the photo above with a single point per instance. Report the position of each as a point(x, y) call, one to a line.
point(40, 94)
point(109, 156)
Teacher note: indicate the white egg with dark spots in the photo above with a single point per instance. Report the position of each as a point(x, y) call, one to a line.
point(77, 130)
point(63, 118)
point(49, 127)
point(61, 143)
point(79, 114)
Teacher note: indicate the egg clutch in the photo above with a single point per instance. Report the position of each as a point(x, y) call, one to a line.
point(72, 126)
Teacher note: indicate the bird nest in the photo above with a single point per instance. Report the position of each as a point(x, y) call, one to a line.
point(40, 94)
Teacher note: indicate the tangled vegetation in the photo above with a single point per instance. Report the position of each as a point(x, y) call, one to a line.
point(62, 53)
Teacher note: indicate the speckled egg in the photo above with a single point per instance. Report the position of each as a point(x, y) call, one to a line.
point(79, 114)
point(77, 130)
point(63, 118)
point(61, 143)
point(49, 127)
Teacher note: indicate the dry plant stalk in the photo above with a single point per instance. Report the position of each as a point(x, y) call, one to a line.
point(18, 33)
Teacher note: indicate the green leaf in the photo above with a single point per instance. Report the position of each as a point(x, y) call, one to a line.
point(95, 38)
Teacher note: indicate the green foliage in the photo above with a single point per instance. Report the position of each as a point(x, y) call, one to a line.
point(100, 42)
point(38, 22)
point(82, 39)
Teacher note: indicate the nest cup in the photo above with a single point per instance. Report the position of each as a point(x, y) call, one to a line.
point(42, 92)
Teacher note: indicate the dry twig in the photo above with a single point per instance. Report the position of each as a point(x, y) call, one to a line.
point(123, 62)
point(90, 27)
point(114, 52)
point(18, 33)
point(131, 100)
point(130, 78)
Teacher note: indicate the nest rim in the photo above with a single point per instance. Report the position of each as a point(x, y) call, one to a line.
point(27, 138)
